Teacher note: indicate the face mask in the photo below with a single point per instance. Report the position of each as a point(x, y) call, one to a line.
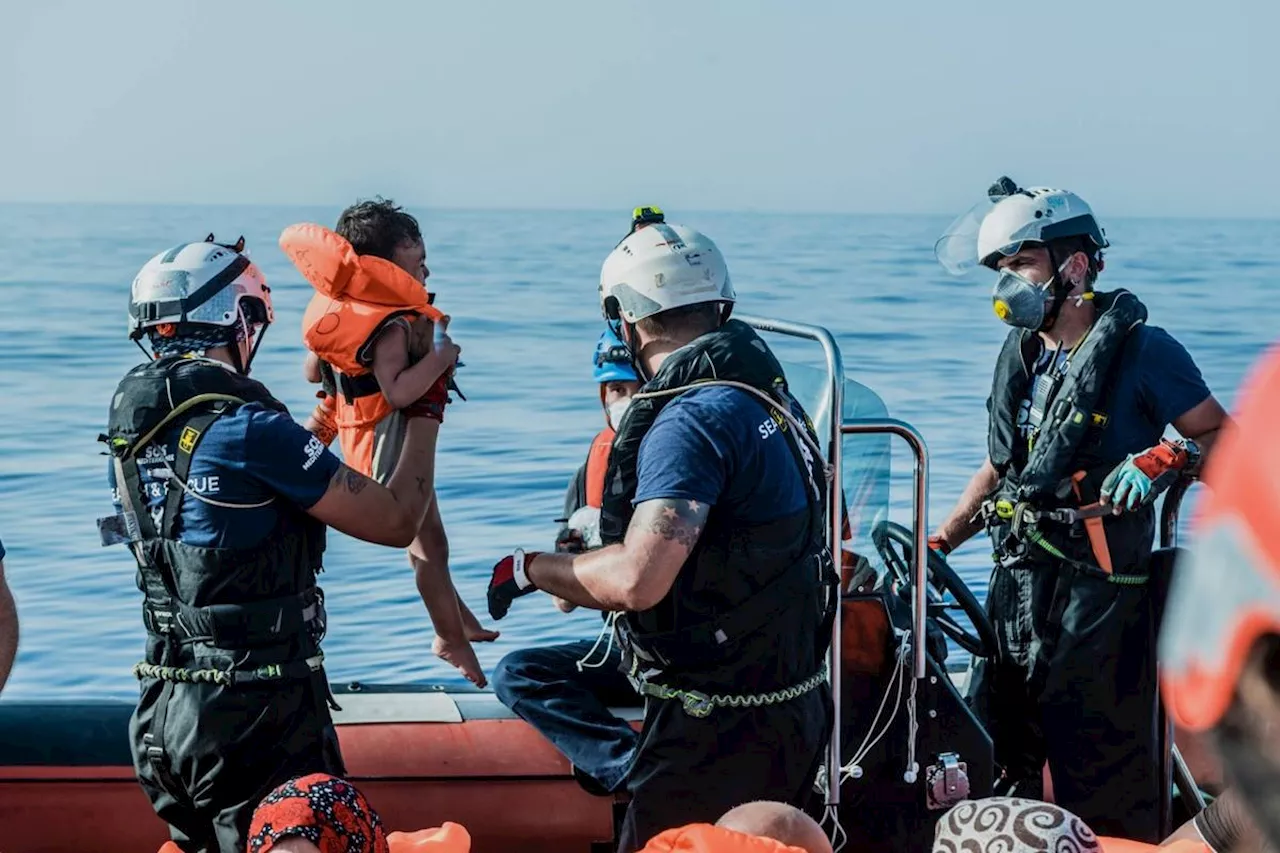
point(1021, 302)
point(617, 409)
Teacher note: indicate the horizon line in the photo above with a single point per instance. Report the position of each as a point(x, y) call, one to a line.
point(584, 209)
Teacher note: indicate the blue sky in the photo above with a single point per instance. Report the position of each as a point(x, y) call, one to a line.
point(1145, 108)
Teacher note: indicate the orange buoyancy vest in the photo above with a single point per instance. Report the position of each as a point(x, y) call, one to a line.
point(356, 297)
point(705, 838)
point(1124, 845)
point(449, 838)
point(597, 463)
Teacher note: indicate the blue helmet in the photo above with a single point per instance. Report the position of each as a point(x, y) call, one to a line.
point(612, 360)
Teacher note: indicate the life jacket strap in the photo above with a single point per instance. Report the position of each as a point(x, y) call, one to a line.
point(274, 672)
point(238, 626)
point(699, 705)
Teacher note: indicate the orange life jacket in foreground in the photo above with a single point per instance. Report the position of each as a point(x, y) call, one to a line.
point(705, 838)
point(1124, 845)
point(449, 838)
point(356, 297)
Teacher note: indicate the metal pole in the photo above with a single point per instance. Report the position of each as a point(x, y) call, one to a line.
point(835, 458)
point(1169, 513)
point(919, 523)
point(1172, 765)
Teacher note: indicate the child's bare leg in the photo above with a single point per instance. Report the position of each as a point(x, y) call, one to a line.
point(476, 632)
point(429, 556)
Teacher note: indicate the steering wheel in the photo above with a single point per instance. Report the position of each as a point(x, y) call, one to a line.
point(981, 642)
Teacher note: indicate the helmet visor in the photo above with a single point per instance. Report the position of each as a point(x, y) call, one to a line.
point(957, 248)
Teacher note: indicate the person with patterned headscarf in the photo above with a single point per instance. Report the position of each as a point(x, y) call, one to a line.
point(1012, 825)
point(324, 814)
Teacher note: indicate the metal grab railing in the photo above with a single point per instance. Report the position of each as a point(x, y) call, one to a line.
point(835, 458)
point(1173, 768)
point(837, 429)
point(919, 524)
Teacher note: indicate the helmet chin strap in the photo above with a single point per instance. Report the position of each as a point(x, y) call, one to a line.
point(1060, 290)
point(242, 365)
point(627, 333)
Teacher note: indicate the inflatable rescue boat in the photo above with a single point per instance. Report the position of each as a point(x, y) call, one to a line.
point(906, 746)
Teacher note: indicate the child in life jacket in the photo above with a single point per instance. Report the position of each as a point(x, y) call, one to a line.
point(382, 351)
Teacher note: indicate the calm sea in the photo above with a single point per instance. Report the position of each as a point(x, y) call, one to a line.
point(521, 287)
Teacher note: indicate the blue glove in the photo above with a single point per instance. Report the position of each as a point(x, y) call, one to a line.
point(1141, 477)
point(1127, 487)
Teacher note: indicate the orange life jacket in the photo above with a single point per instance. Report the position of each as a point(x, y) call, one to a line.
point(356, 297)
point(449, 838)
point(597, 462)
point(1124, 845)
point(705, 838)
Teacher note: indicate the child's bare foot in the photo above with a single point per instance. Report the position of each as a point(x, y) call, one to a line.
point(461, 655)
point(472, 628)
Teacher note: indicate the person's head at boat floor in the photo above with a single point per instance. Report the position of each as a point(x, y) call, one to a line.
point(324, 814)
point(8, 626)
point(757, 827)
point(1220, 637)
point(1012, 825)
point(380, 228)
point(779, 821)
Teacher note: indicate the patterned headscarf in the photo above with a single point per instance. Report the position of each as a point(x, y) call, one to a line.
point(1009, 825)
point(195, 338)
point(329, 812)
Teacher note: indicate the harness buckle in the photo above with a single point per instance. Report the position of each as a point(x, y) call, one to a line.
point(269, 672)
point(696, 703)
point(155, 754)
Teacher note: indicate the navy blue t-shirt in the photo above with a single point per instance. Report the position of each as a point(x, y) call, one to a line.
point(1156, 383)
point(721, 447)
point(1, 550)
point(253, 455)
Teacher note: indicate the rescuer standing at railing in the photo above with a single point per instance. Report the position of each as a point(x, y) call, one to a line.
point(1082, 395)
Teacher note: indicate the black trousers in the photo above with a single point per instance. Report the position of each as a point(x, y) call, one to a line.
point(206, 755)
point(1075, 684)
point(690, 770)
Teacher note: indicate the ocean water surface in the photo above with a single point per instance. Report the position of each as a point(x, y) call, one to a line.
point(521, 288)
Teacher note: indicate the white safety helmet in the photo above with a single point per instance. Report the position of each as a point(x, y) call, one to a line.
point(1008, 219)
point(660, 267)
point(205, 284)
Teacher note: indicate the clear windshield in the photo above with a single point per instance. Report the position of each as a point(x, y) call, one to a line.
point(866, 457)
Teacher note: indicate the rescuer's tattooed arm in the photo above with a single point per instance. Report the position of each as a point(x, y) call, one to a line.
point(632, 575)
point(390, 514)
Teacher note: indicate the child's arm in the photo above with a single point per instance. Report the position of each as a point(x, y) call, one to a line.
point(311, 367)
point(402, 383)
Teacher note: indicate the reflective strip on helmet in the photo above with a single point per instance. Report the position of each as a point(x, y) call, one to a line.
point(177, 310)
